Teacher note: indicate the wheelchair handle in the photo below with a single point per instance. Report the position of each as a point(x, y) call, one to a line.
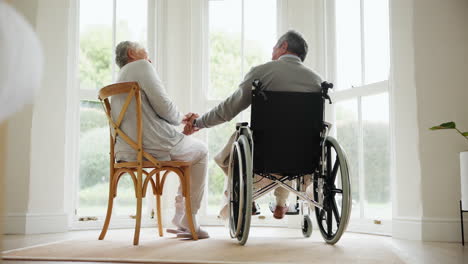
point(258, 88)
point(240, 124)
point(325, 87)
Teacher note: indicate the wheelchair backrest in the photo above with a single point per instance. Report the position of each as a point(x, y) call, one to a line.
point(287, 129)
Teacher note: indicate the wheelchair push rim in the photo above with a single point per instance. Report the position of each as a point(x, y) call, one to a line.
point(240, 190)
point(333, 219)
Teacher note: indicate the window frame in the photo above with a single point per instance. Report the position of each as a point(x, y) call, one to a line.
point(199, 80)
point(155, 18)
point(360, 224)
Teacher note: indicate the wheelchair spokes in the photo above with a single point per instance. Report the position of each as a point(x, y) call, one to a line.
point(335, 169)
point(240, 190)
point(333, 218)
point(332, 194)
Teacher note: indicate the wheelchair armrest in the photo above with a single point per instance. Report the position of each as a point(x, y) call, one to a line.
point(239, 124)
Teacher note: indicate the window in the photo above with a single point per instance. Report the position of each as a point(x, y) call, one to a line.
point(103, 24)
point(237, 40)
point(361, 108)
point(362, 44)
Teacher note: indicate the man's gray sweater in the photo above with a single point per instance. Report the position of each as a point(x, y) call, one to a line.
point(287, 73)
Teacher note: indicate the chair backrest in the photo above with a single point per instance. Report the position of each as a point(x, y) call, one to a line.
point(287, 130)
point(132, 89)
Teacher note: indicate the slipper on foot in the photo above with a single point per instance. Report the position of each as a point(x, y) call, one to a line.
point(176, 231)
point(202, 234)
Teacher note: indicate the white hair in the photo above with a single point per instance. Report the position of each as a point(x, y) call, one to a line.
point(296, 43)
point(121, 51)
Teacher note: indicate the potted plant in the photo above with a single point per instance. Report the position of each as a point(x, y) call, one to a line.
point(463, 162)
point(450, 125)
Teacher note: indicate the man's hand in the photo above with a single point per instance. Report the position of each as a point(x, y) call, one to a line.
point(188, 121)
point(189, 130)
point(188, 118)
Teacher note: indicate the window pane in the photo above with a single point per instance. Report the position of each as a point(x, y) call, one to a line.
point(260, 34)
point(94, 167)
point(132, 21)
point(348, 43)
point(225, 47)
point(376, 36)
point(375, 118)
point(94, 160)
point(217, 139)
point(96, 58)
point(95, 43)
point(347, 134)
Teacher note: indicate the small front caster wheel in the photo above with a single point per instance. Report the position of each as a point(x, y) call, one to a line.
point(306, 226)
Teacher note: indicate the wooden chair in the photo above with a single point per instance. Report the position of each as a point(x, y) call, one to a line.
point(145, 160)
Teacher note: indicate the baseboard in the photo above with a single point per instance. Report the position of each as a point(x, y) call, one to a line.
point(408, 228)
point(443, 229)
point(429, 229)
point(35, 223)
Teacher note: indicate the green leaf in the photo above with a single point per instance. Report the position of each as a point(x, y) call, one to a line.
point(448, 125)
point(465, 134)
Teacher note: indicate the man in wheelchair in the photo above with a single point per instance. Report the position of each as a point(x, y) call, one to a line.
point(286, 143)
point(286, 72)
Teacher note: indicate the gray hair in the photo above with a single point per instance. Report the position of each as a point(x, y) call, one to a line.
point(121, 52)
point(296, 43)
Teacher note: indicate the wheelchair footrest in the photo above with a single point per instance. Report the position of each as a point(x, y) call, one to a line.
point(293, 209)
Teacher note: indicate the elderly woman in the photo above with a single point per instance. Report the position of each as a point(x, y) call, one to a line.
point(160, 136)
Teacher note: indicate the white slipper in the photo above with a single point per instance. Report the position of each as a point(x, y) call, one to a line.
point(202, 234)
point(176, 231)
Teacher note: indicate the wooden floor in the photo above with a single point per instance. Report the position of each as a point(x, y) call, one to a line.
point(409, 251)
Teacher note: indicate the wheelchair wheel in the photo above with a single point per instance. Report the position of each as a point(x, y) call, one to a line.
point(240, 189)
point(306, 226)
point(335, 192)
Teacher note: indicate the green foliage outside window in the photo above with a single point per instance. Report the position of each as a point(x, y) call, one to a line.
point(377, 162)
point(95, 57)
point(94, 145)
point(376, 159)
point(225, 62)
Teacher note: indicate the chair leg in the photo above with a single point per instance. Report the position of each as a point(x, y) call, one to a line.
point(188, 203)
point(136, 237)
point(158, 212)
point(110, 204)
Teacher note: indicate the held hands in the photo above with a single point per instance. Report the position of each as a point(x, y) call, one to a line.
point(188, 121)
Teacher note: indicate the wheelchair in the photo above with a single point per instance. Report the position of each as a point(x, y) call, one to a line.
point(288, 143)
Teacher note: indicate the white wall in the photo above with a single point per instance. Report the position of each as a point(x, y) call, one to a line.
point(49, 119)
point(430, 69)
point(17, 169)
point(17, 149)
point(441, 58)
point(36, 136)
point(407, 207)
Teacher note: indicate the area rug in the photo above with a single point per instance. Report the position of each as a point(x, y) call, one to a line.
point(265, 245)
